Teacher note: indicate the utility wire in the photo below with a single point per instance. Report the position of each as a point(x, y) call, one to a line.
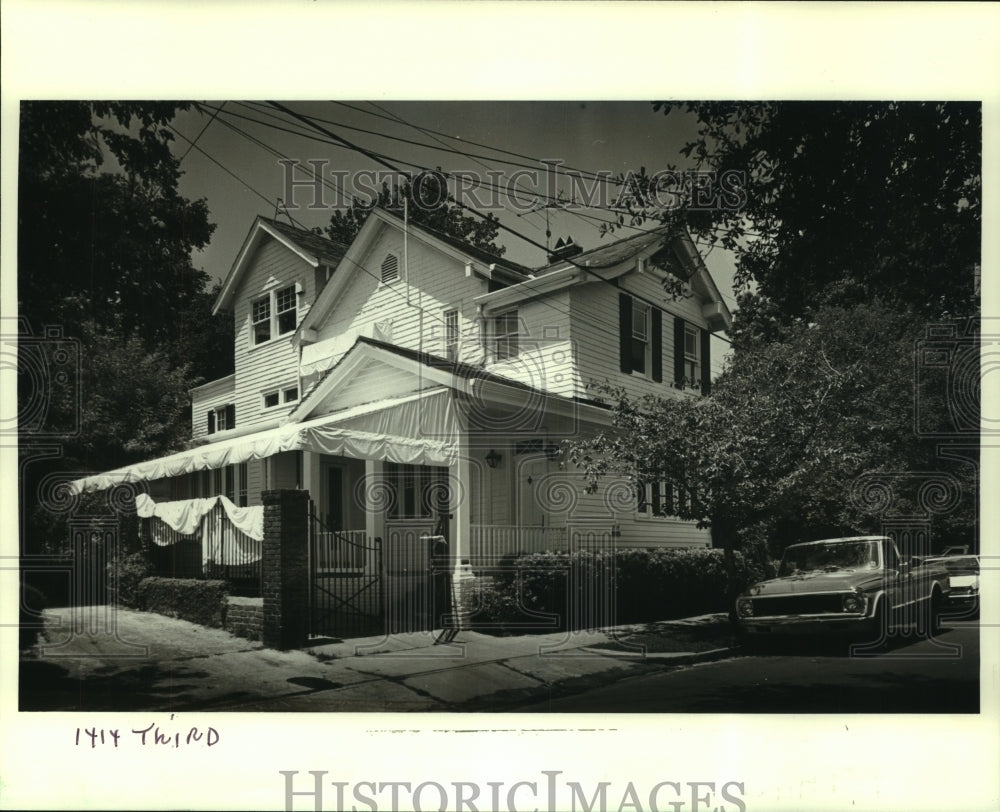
point(586, 269)
point(375, 156)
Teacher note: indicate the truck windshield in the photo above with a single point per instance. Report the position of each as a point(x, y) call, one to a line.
point(840, 555)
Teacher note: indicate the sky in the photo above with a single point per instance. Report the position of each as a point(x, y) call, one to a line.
point(235, 163)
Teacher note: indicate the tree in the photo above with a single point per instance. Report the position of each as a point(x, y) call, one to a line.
point(105, 242)
point(113, 247)
point(137, 406)
point(790, 425)
point(885, 197)
point(428, 204)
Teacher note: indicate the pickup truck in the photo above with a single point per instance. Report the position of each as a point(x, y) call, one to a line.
point(857, 584)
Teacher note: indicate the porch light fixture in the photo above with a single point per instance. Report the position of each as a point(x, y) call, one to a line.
point(493, 459)
point(553, 452)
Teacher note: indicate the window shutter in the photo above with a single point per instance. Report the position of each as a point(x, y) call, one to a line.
point(678, 352)
point(657, 340)
point(231, 416)
point(706, 363)
point(211, 421)
point(625, 332)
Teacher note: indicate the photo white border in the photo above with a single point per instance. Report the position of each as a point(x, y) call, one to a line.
point(506, 50)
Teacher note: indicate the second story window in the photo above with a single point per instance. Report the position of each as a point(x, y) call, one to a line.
point(274, 314)
point(692, 358)
point(451, 335)
point(640, 336)
point(285, 301)
point(505, 336)
point(260, 315)
point(222, 418)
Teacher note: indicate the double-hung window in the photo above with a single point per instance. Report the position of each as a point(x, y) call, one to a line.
point(274, 314)
point(222, 418)
point(640, 337)
point(451, 335)
point(505, 335)
point(692, 356)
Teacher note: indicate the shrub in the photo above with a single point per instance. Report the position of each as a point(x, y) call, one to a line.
point(202, 602)
point(588, 589)
point(124, 576)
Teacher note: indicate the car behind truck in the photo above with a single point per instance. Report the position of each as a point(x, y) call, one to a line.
point(855, 585)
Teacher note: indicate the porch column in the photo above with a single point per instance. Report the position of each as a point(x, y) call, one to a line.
point(461, 536)
point(375, 499)
point(310, 474)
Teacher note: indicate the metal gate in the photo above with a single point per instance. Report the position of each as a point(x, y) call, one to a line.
point(346, 594)
point(417, 578)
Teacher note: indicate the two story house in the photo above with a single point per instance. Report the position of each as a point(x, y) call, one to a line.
point(412, 381)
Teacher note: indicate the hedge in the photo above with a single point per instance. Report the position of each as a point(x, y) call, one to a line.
point(196, 600)
point(559, 591)
point(125, 574)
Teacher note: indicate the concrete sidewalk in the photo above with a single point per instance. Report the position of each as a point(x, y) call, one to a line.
point(156, 663)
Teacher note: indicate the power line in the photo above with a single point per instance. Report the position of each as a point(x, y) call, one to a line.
point(201, 133)
point(295, 222)
point(585, 268)
point(494, 186)
point(561, 312)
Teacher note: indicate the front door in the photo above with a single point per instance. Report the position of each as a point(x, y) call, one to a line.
point(529, 473)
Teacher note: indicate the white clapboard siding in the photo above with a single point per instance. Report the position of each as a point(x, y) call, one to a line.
point(273, 364)
point(412, 307)
point(209, 396)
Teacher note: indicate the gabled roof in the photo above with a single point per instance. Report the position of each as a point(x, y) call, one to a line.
point(608, 262)
point(435, 371)
point(613, 253)
point(485, 257)
point(482, 263)
point(311, 247)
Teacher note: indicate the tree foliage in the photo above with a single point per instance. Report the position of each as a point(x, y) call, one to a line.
point(839, 199)
point(427, 204)
point(789, 427)
point(103, 234)
point(137, 405)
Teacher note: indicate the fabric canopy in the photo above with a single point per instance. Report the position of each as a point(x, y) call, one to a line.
point(185, 516)
point(197, 517)
point(420, 429)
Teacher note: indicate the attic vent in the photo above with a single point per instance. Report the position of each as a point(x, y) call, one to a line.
point(390, 268)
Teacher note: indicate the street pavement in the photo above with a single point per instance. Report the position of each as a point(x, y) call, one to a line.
point(125, 660)
point(911, 675)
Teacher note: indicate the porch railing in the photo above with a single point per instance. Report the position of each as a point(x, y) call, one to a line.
point(490, 542)
point(217, 549)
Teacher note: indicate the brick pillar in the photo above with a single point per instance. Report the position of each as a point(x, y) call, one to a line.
point(286, 568)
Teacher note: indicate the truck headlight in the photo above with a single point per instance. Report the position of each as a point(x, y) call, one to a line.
point(744, 607)
point(852, 603)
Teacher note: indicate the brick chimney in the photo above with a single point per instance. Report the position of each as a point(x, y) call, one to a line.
point(564, 250)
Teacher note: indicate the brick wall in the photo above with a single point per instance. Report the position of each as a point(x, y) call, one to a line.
point(244, 617)
point(286, 569)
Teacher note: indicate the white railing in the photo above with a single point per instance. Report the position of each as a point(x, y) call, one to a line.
point(491, 542)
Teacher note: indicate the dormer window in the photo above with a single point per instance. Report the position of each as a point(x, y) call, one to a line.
point(274, 314)
point(390, 269)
